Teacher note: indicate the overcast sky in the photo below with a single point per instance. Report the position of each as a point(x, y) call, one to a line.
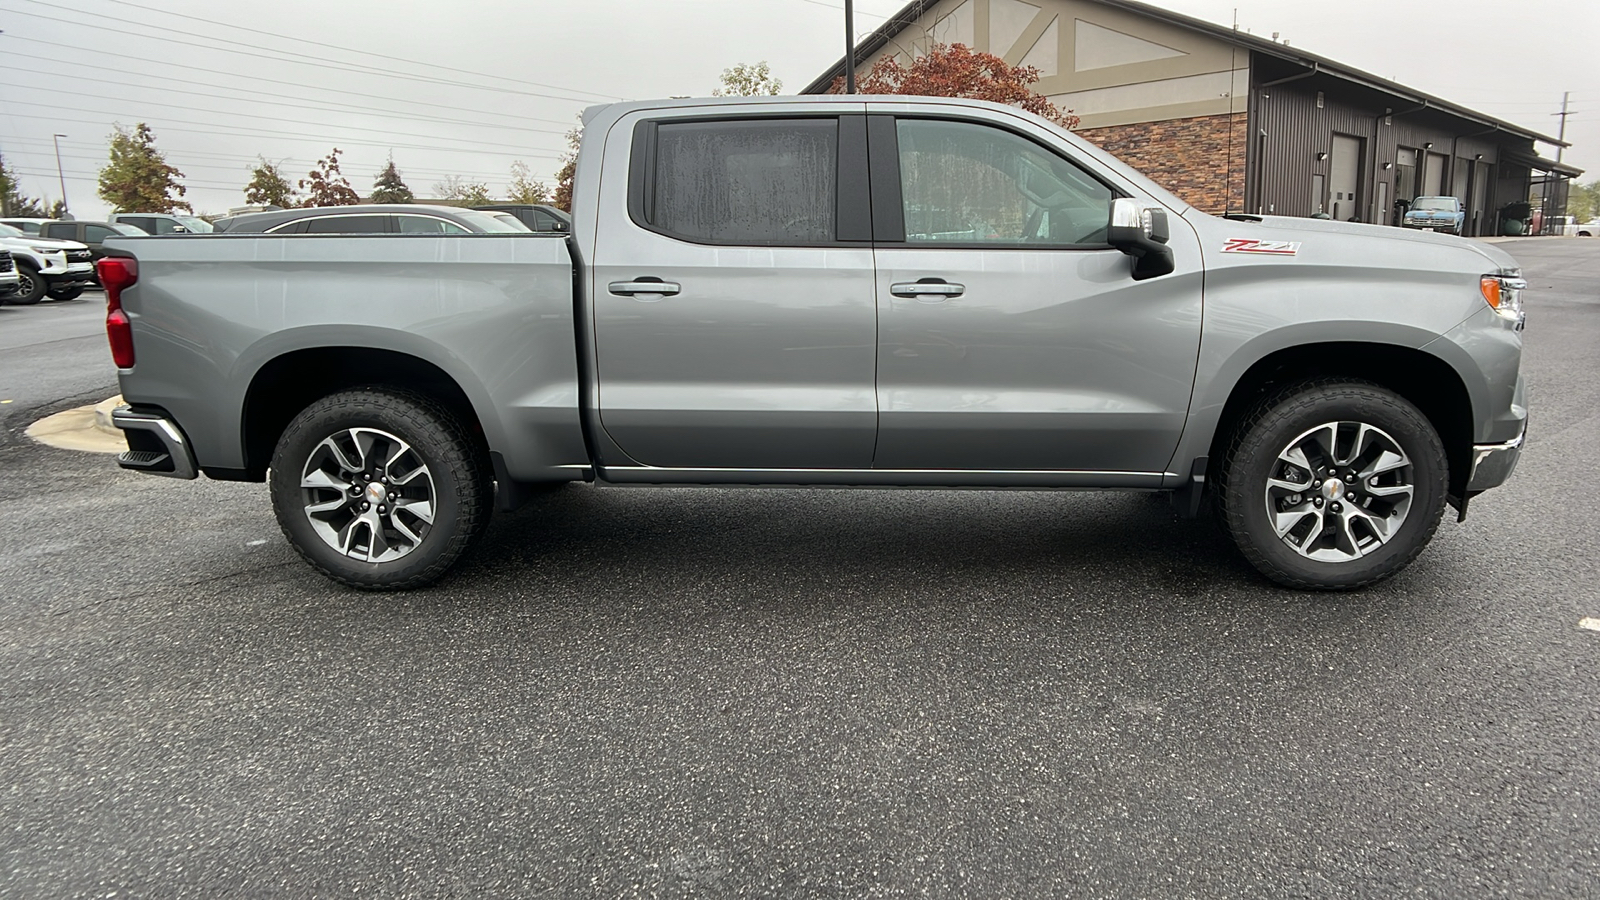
point(467, 87)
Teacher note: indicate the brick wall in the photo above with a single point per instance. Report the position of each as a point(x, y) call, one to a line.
point(1188, 157)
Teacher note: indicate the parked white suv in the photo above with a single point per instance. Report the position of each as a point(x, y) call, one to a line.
point(59, 269)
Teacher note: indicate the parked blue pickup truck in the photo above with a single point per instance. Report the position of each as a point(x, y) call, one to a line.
point(1435, 214)
point(863, 292)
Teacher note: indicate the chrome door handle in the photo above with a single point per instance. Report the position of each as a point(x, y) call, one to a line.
point(629, 288)
point(926, 288)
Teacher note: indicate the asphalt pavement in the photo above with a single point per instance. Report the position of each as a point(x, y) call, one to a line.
point(786, 693)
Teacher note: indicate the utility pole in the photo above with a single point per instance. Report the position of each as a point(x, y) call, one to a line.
point(1562, 134)
point(850, 47)
point(56, 139)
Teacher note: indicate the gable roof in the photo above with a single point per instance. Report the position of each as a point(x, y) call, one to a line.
point(1316, 63)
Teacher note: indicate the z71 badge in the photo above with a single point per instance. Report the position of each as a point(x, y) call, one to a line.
point(1271, 248)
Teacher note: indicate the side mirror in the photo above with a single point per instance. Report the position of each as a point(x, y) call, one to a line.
point(179, 229)
point(562, 226)
point(1141, 232)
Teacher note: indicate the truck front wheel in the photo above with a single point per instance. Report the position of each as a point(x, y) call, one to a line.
point(379, 489)
point(1333, 485)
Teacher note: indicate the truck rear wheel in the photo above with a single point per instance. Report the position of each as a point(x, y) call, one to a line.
point(379, 489)
point(1333, 485)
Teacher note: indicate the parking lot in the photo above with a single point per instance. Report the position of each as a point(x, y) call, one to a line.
point(778, 693)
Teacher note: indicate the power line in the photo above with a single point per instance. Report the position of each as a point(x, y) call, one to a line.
point(236, 131)
point(242, 161)
point(474, 143)
point(374, 113)
point(281, 54)
point(253, 78)
point(841, 8)
point(186, 166)
point(303, 40)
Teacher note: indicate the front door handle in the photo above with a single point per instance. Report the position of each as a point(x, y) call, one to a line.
point(629, 288)
point(935, 287)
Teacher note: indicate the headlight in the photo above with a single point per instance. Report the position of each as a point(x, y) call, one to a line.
point(1504, 293)
point(46, 251)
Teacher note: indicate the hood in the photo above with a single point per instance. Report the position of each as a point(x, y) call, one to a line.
point(29, 241)
point(1346, 241)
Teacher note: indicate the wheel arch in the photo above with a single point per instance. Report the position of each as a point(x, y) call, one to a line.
point(290, 381)
point(1425, 380)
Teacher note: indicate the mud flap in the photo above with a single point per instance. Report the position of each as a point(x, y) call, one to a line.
point(1187, 499)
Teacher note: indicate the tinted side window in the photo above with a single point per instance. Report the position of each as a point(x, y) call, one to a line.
point(769, 181)
point(348, 225)
point(428, 225)
point(63, 230)
point(964, 183)
point(148, 226)
point(95, 234)
point(162, 226)
point(542, 221)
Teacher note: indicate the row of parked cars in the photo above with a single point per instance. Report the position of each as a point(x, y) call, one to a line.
point(55, 258)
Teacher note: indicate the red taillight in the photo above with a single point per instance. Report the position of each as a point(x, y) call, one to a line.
point(116, 275)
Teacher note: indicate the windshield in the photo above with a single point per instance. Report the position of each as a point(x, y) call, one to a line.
point(195, 226)
point(8, 231)
point(488, 223)
point(124, 228)
point(1447, 204)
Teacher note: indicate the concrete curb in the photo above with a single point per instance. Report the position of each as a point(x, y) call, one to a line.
point(102, 415)
point(80, 429)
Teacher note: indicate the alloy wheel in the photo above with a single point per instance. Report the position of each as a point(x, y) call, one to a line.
point(1339, 491)
point(368, 495)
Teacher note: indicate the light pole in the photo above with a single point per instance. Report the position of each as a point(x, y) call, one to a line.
point(55, 139)
point(849, 47)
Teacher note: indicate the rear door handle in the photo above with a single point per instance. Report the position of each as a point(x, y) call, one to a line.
point(927, 287)
point(629, 288)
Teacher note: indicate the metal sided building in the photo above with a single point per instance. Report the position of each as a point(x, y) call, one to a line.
point(1234, 122)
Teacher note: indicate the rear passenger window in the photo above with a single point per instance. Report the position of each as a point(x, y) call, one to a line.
point(768, 181)
point(63, 230)
point(348, 225)
point(94, 234)
point(428, 225)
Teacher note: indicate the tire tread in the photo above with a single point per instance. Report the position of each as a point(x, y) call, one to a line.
point(1283, 403)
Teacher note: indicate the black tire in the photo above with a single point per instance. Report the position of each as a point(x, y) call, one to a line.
point(1252, 458)
point(71, 293)
point(31, 290)
point(461, 489)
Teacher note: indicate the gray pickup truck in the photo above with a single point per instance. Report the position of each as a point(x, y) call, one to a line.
point(845, 291)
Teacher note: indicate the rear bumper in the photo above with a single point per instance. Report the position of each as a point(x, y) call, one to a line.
point(1492, 464)
point(156, 444)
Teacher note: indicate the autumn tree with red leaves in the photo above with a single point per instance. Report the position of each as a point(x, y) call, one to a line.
point(955, 70)
point(326, 185)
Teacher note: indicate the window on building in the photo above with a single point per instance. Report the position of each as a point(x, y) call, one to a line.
point(767, 181)
point(965, 183)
